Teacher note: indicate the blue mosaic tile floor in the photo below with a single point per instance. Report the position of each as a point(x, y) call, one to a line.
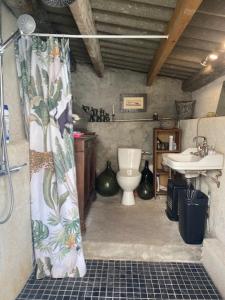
point(126, 280)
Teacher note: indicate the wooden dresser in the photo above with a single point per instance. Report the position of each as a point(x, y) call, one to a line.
point(85, 159)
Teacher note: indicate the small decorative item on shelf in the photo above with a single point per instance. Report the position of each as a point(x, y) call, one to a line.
point(97, 115)
point(145, 189)
point(162, 145)
point(185, 109)
point(106, 183)
point(113, 113)
point(155, 116)
point(102, 115)
point(107, 117)
point(91, 119)
point(86, 108)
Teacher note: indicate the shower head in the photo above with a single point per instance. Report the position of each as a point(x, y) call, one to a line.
point(26, 24)
point(58, 3)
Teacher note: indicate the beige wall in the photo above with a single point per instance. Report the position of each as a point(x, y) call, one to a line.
point(207, 97)
point(15, 235)
point(214, 130)
point(214, 244)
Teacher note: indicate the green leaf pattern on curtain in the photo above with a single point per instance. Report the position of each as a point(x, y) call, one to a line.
point(44, 78)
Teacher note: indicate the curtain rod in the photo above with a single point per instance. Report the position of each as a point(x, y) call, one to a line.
point(99, 36)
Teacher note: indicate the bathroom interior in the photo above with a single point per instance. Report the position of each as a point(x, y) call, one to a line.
point(120, 193)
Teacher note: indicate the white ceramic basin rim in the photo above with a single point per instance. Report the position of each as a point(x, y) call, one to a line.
point(186, 161)
point(183, 157)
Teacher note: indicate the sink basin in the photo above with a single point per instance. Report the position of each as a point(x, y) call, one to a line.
point(186, 162)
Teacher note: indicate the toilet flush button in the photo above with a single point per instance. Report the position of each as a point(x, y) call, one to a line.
point(129, 172)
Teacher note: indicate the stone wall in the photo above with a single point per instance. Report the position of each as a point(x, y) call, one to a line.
point(15, 235)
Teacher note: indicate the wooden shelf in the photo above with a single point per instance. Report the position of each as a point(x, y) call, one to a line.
point(161, 171)
point(161, 192)
point(168, 129)
point(163, 136)
point(167, 151)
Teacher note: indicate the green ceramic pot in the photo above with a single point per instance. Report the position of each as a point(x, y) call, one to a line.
point(106, 183)
point(145, 189)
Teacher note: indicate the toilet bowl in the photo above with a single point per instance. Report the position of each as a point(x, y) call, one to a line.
point(129, 176)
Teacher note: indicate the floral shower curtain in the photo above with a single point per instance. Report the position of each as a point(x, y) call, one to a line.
point(44, 79)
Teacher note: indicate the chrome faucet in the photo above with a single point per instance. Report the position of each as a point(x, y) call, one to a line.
point(143, 152)
point(202, 149)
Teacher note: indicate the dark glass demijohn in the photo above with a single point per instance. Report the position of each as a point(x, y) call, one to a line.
point(145, 189)
point(106, 182)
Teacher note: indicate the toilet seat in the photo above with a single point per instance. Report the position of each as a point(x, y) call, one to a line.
point(128, 173)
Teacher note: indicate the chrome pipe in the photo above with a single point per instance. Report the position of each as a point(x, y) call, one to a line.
point(1, 108)
point(13, 37)
point(26, 25)
point(100, 36)
point(4, 163)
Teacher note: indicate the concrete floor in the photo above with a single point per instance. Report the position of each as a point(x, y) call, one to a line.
point(140, 232)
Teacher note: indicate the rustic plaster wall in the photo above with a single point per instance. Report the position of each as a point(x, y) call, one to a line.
point(103, 92)
point(15, 235)
point(111, 136)
point(91, 90)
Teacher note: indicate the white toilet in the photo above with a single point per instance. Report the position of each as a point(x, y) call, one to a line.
point(129, 176)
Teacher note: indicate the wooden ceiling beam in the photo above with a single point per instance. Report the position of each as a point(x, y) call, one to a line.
point(183, 13)
point(82, 14)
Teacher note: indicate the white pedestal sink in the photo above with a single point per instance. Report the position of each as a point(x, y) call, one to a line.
point(192, 165)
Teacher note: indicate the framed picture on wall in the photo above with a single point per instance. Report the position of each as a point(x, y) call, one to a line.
point(133, 102)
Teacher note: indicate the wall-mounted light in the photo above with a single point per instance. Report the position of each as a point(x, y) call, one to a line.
point(213, 56)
